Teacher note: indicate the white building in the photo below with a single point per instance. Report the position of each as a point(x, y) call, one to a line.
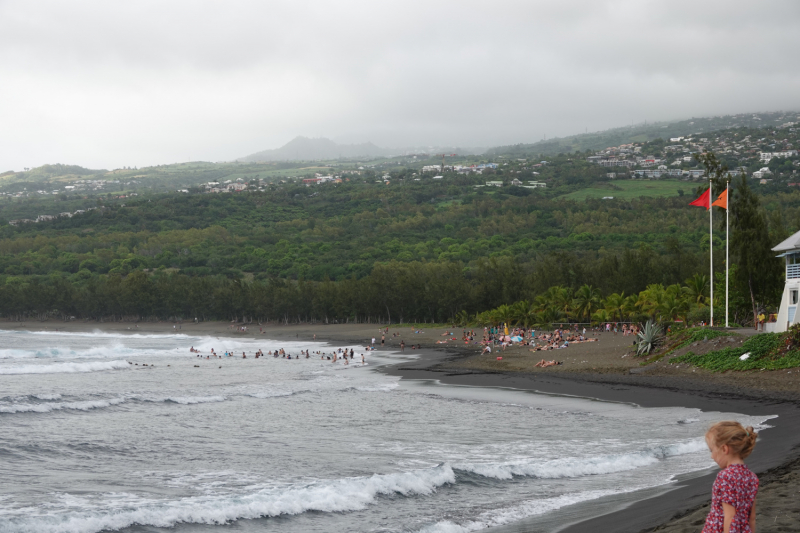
point(759, 174)
point(787, 313)
point(766, 156)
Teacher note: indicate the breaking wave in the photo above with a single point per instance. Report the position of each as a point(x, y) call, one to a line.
point(49, 407)
point(573, 467)
point(349, 494)
point(59, 368)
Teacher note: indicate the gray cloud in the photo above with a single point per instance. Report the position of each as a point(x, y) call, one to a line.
point(138, 83)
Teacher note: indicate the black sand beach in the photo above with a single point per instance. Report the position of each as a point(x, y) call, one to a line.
point(775, 454)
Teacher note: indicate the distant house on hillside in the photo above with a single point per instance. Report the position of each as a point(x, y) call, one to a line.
point(535, 185)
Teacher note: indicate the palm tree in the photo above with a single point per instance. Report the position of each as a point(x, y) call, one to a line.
point(673, 306)
point(697, 289)
point(587, 301)
point(602, 316)
point(562, 300)
point(548, 315)
point(615, 305)
point(521, 313)
point(503, 315)
point(631, 305)
point(651, 299)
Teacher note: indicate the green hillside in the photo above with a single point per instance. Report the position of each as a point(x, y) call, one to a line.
point(630, 189)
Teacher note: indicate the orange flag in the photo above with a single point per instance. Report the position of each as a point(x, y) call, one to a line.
point(722, 200)
point(703, 201)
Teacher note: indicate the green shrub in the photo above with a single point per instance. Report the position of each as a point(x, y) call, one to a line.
point(769, 351)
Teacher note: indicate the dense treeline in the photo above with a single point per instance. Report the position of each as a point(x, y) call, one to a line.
point(344, 231)
point(421, 251)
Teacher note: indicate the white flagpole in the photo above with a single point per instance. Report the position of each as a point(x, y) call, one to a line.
point(727, 241)
point(711, 247)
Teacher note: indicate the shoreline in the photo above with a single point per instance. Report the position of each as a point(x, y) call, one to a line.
point(678, 508)
point(596, 370)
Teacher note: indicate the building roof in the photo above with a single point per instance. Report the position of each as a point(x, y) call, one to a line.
point(792, 243)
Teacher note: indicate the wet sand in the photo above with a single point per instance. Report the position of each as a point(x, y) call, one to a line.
point(606, 370)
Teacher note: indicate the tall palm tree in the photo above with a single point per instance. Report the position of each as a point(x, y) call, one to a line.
point(615, 305)
point(602, 316)
point(587, 301)
point(651, 299)
point(520, 313)
point(631, 305)
point(563, 300)
point(504, 315)
point(697, 289)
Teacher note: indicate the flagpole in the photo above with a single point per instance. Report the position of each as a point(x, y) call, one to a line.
point(727, 243)
point(711, 246)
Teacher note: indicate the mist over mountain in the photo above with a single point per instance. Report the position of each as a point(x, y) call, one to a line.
point(321, 149)
point(304, 149)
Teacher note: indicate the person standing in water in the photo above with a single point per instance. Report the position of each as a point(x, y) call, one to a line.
point(733, 496)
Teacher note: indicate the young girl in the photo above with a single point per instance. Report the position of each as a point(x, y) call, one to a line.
point(733, 497)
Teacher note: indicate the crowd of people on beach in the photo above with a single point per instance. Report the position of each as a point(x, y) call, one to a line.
point(340, 354)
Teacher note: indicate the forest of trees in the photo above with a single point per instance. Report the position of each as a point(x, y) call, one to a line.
point(422, 251)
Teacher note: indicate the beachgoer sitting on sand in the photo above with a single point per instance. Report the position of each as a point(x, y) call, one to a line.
point(487, 349)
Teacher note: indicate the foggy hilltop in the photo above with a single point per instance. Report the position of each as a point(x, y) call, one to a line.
point(304, 148)
point(321, 149)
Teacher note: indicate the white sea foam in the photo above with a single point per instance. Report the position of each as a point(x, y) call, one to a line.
point(380, 387)
point(48, 407)
point(186, 400)
point(48, 397)
point(111, 350)
point(58, 368)
point(349, 494)
point(570, 467)
point(515, 513)
point(277, 393)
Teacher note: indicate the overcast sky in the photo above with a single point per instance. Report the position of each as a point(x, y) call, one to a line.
point(109, 84)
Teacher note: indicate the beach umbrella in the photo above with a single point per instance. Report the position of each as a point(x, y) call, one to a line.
point(516, 338)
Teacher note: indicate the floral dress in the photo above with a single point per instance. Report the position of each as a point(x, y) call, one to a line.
point(736, 486)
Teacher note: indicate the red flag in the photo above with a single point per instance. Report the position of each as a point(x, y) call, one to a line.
point(722, 201)
point(703, 200)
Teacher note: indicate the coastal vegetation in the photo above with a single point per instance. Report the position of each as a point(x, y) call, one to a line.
point(767, 351)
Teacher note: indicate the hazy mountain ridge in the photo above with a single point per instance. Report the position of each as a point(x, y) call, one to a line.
point(306, 149)
point(644, 132)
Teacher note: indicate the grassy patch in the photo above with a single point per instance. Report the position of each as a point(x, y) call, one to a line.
point(627, 189)
point(767, 351)
point(685, 337)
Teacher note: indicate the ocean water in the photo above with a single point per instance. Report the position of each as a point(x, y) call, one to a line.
point(93, 440)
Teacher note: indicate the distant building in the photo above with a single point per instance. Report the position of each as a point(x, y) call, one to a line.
point(767, 156)
point(494, 183)
point(759, 174)
point(535, 185)
point(789, 250)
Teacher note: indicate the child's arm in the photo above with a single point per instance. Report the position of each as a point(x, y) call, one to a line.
point(753, 517)
point(729, 511)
